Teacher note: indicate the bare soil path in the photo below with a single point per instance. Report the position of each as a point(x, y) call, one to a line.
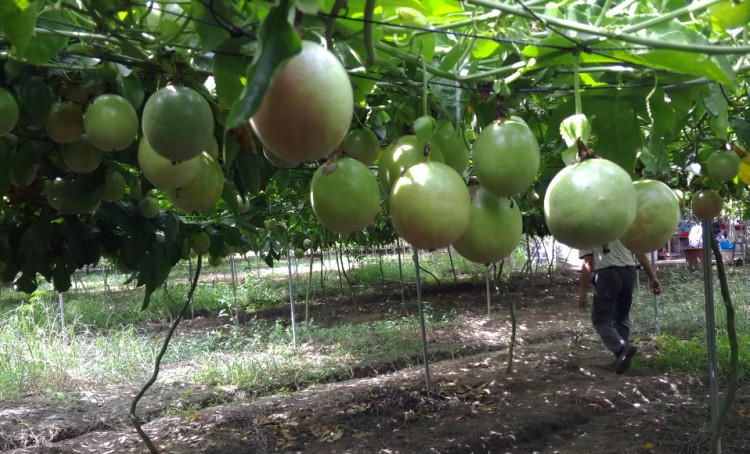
point(562, 396)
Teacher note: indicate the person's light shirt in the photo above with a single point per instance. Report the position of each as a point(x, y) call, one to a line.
point(610, 254)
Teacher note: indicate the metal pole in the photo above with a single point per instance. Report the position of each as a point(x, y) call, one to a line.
point(421, 321)
point(710, 322)
point(234, 291)
point(291, 293)
point(401, 269)
point(62, 315)
point(656, 297)
point(487, 279)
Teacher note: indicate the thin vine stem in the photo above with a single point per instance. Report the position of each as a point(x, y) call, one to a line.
point(734, 360)
point(367, 31)
point(577, 84)
point(425, 88)
point(708, 49)
point(133, 417)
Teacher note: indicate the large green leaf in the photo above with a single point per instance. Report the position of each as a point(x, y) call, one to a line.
point(153, 271)
point(17, 21)
point(615, 125)
point(206, 22)
point(230, 66)
point(36, 99)
point(279, 41)
point(716, 67)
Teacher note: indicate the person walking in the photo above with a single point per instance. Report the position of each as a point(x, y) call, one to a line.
point(614, 281)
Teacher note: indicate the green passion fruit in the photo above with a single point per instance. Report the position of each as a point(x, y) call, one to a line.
point(308, 107)
point(178, 123)
point(8, 111)
point(345, 195)
point(706, 204)
point(723, 165)
point(494, 229)
point(204, 191)
point(657, 214)
point(64, 122)
point(506, 158)
point(362, 145)
point(590, 203)
point(162, 172)
point(110, 122)
point(403, 153)
point(82, 156)
point(454, 148)
point(430, 205)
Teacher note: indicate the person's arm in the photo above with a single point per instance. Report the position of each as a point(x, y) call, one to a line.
point(586, 271)
point(646, 264)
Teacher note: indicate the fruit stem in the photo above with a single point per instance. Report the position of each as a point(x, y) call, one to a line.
point(584, 153)
point(367, 32)
point(577, 82)
point(425, 92)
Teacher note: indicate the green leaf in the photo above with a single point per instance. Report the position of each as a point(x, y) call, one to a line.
point(130, 88)
point(247, 165)
point(574, 128)
point(36, 98)
point(211, 32)
point(616, 127)
point(662, 114)
point(307, 6)
point(230, 66)
point(279, 42)
point(716, 67)
point(17, 22)
point(84, 193)
point(43, 48)
point(153, 271)
point(741, 128)
point(229, 195)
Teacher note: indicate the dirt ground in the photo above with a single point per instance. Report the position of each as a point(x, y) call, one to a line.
point(562, 395)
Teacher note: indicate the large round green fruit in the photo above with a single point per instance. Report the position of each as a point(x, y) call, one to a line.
point(345, 195)
point(54, 192)
point(162, 172)
point(178, 123)
point(110, 122)
point(430, 205)
point(204, 191)
point(114, 186)
point(8, 111)
point(590, 203)
point(657, 214)
point(403, 153)
point(21, 172)
point(64, 122)
point(454, 148)
point(723, 165)
point(200, 242)
point(362, 145)
point(706, 204)
point(82, 156)
point(148, 207)
point(308, 107)
point(681, 199)
point(494, 228)
point(506, 158)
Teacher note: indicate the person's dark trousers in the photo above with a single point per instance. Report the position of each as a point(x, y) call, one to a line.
point(613, 297)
